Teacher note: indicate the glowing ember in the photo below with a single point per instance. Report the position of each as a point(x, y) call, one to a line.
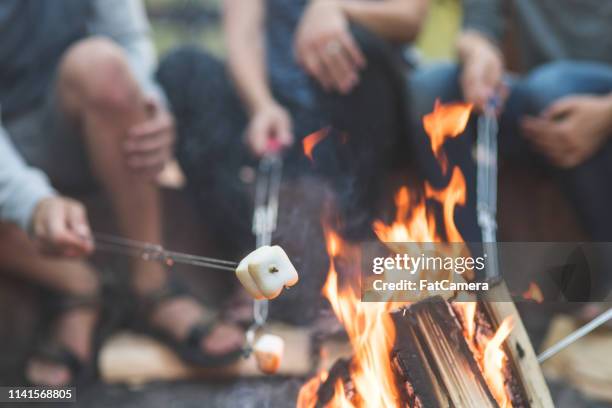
point(312, 140)
point(533, 293)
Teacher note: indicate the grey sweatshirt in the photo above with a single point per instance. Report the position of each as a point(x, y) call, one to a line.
point(547, 30)
point(27, 69)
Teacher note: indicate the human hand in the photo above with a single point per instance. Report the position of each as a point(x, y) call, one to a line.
point(269, 128)
point(149, 144)
point(326, 49)
point(61, 225)
point(482, 71)
point(571, 130)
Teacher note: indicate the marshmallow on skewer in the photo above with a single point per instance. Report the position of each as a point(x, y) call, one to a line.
point(268, 351)
point(266, 271)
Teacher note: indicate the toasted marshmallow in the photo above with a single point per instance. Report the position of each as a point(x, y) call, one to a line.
point(266, 271)
point(268, 351)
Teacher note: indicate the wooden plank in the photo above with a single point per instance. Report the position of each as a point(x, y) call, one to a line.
point(499, 306)
point(135, 359)
point(586, 364)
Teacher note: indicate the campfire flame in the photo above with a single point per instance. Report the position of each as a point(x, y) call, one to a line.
point(369, 326)
point(446, 121)
point(493, 363)
point(371, 333)
point(533, 293)
point(310, 141)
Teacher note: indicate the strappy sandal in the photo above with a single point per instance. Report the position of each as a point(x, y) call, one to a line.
point(189, 349)
point(81, 372)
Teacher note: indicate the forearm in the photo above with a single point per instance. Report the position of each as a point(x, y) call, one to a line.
point(394, 20)
point(244, 33)
point(608, 101)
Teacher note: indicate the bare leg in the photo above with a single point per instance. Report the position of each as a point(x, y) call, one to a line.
point(73, 329)
point(97, 89)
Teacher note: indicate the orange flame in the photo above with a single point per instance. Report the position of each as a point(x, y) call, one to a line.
point(469, 318)
point(369, 326)
point(533, 293)
point(493, 363)
point(446, 121)
point(312, 140)
point(307, 397)
point(454, 194)
point(371, 333)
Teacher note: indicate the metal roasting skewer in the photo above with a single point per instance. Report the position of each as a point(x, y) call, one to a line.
point(265, 214)
point(486, 186)
point(575, 336)
point(486, 191)
point(130, 247)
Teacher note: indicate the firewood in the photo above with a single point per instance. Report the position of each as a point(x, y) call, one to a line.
point(435, 359)
point(498, 305)
point(134, 359)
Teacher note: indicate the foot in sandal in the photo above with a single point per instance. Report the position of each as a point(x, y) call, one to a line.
point(66, 354)
point(175, 317)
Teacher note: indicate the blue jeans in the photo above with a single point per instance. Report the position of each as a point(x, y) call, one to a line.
point(588, 185)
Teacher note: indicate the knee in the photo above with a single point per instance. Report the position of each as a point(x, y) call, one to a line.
point(428, 84)
point(549, 83)
point(96, 72)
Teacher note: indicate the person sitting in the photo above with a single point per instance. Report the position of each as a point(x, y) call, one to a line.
point(558, 111)
point(293, 68)
point(80, 108)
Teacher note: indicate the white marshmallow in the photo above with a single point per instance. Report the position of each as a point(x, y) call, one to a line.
point(268, 351)
point(266, 271)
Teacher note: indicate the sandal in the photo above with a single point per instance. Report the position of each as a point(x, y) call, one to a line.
point(81, 372)
point(189, 349)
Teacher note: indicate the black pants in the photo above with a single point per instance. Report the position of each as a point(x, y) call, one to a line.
point(366, 126)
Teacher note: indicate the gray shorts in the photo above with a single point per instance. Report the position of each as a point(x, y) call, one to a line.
point(47, 139)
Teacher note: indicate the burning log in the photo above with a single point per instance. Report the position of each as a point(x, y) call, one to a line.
point(434, 359)
point(428, 354)
point(436, 363)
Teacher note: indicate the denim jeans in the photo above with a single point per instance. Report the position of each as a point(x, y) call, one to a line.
point(588, 185)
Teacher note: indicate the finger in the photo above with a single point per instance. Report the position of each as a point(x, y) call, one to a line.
point(345, 72)
point(473, 91)
point(159, 119)
point(149, 128)
point(283, 133)
point(160, 140)
point(142, 162)
point(558, 109)
point(314, 66)
point(152, 172)
point(257, 139)
point(352, 49)
point(79, 227)
point(537, 127)
point(59, 236)
point(332, 69)
point(545, 137)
